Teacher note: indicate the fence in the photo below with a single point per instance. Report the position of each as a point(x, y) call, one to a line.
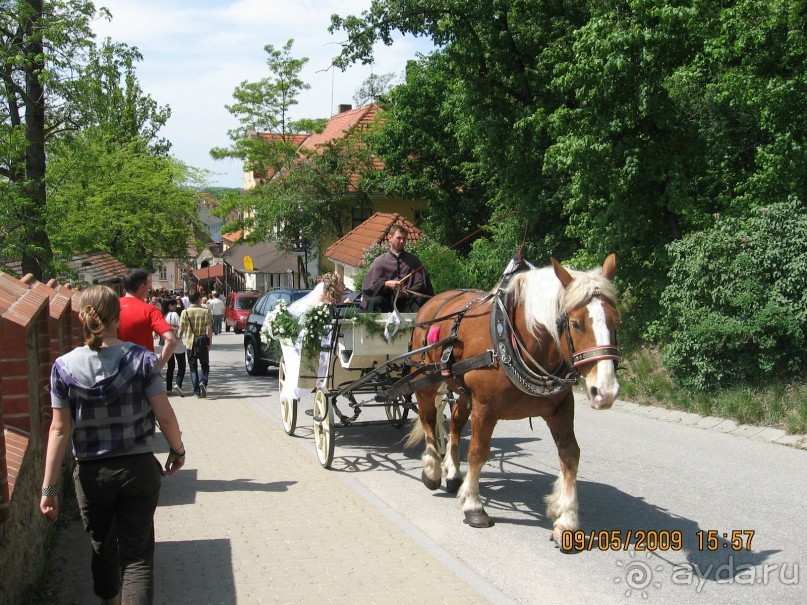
point(38, 322)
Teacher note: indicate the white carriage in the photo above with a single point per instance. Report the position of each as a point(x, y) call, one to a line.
point(356, 362)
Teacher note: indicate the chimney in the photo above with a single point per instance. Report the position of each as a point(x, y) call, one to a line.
point(343, 107)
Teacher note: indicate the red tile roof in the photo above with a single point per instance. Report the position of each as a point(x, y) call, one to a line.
point(233, 237)
point(341, 124)
point(350, 248)
point(209, 272)
point(337, 127)
point(105, 268)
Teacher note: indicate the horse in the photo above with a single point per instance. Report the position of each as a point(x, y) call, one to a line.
point(552, 317)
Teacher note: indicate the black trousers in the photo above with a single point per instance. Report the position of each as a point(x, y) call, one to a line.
point(381, 303)
point(117, 498)
point(176, 360)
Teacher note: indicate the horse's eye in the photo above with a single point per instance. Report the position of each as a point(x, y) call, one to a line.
point(576, 325)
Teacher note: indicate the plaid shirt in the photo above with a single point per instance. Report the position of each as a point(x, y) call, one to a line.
point(195, 321)
point(112, 417)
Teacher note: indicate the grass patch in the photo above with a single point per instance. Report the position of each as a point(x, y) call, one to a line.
point(646, 381)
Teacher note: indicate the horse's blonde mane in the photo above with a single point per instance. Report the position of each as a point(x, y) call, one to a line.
point(540, 294)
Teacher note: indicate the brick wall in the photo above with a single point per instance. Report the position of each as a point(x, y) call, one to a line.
point(36, 325)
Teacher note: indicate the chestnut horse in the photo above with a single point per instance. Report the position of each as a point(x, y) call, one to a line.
point(560, 325)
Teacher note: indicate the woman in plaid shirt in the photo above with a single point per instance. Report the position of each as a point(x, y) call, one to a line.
point(107, 398)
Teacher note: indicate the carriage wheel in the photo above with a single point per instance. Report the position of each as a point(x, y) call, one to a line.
point(397, 413)
point(440, 432)
point(323, 430)
point(288, 409)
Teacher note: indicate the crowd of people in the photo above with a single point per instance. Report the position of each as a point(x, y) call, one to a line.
point(109, 396)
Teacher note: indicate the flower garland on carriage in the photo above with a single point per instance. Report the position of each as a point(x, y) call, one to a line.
point(306, 331)
point(309, 331)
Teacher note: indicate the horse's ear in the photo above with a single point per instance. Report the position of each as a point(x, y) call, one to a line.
point(609, 267)
point(561, 273)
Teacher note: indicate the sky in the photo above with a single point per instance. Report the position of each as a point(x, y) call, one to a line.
point(196, 52)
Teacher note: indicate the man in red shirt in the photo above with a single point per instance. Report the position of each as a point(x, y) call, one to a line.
point(139, 320)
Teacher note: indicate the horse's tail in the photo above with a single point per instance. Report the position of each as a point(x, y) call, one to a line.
point(416, 434)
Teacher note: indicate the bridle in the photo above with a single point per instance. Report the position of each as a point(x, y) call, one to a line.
point(592, 354)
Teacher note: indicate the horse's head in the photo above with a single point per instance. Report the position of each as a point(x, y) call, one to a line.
point(589, 303)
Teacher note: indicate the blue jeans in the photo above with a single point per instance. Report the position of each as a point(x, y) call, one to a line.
point(217, 324)
point(117, 498)
point(199, 373)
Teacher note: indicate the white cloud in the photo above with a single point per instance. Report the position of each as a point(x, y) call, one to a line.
point(195, 52)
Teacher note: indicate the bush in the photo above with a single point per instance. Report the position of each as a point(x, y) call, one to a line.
point(736, 304)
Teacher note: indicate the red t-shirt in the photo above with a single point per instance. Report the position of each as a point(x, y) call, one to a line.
point(138, 320)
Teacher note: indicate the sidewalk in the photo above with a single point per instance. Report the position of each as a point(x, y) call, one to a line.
point(254, 519)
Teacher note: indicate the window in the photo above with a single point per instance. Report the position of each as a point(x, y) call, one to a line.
point(163, 273)
point(360, 215)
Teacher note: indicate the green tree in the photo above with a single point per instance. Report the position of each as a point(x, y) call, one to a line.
point(264, 138)
point(67, 98)
point(493, 77)
point(108, 94)
point(426, 152)
point(312, 198)
point(40, 42)
point(120, 198)
point(608, 127)
point(373, 89)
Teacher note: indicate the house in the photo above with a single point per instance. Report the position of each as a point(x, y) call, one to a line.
point(347, 253)
point(262, 266)
point(99, 268)
point(343, 124)
point(90, 269)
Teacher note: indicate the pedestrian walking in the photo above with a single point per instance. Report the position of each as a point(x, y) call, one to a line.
point(178, 358)
point(216, 306)
point(196, 330)
point(107, 398)
point(139, 320)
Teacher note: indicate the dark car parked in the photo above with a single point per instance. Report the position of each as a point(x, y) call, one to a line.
point(257, 358)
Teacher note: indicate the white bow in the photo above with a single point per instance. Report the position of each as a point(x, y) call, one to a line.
point(392, 326)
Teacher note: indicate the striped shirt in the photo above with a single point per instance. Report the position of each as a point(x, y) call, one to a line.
point(107, 392)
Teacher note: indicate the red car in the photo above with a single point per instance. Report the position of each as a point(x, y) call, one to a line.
point(237, 308)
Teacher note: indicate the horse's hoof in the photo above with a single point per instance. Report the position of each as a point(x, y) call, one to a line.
point(478, 518)
point(453, 485)
point(432, 484)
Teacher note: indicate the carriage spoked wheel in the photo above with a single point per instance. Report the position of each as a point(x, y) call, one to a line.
point(397, 412)
point(288, 409)
point(323, 428)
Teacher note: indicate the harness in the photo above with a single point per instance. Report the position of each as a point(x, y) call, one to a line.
point(508, 351)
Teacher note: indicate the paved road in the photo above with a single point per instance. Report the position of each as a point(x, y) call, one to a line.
point(637, 473)
point(368, 531)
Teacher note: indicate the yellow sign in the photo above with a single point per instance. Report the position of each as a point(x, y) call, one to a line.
point(248, 266)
